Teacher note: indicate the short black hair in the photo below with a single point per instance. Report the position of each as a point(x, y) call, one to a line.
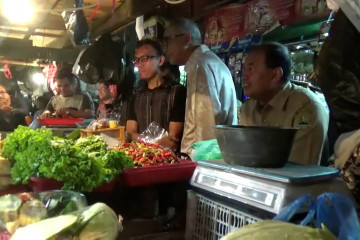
point(66, 72)
point(153, 43)
point(276, 55)
point(63, 73)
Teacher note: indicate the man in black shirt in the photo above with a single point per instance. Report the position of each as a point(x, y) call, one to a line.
point(158, 100)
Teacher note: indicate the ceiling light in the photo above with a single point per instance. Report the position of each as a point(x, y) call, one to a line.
point(19, 11)
point(38, 78)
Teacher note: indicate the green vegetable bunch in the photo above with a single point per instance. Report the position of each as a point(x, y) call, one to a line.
point(81, 165)
point(113, 163)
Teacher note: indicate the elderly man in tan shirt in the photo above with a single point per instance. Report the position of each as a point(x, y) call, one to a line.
point(274, 101)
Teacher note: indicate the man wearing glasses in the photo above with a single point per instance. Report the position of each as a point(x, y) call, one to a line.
point(158, 100)
point(211, 97)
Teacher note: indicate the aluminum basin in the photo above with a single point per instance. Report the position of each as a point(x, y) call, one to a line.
point(259, 147)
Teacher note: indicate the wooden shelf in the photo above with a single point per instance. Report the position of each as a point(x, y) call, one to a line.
point(118, 132)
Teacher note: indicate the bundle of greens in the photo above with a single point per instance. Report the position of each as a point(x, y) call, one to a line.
point(81, 165)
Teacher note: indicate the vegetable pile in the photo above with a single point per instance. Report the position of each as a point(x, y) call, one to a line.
point(147, 154)
point(81, 165)
point(95, 222)
point(19, 210)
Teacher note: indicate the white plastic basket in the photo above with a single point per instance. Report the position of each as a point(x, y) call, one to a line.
point(211, 220)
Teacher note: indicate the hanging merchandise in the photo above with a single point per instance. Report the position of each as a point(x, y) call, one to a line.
point(225, 26)
point(101, 61)
point(260, 17)
point(76, 25)
point(293, 11)
point(324, 30)
point(49, 74)
point(7, 72)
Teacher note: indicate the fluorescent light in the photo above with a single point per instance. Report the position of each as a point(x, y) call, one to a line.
point(38, 78)
point(136, 69)
point(17, 10)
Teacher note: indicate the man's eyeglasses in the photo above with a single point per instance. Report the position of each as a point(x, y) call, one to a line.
point(166, 39)
point(143, 59)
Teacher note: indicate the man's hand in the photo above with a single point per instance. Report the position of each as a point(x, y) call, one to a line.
point(45, 114)
point(7, 109)
point(170, 142)
point(64, 112)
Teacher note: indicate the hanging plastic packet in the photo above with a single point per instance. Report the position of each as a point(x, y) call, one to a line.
point(76, 25)
point(153, 133)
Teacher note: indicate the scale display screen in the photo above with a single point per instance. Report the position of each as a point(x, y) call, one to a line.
point(250, 193)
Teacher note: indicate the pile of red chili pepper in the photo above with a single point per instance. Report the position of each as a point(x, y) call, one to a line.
point(147, 154)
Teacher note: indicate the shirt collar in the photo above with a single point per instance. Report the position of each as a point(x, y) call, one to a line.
point(279, 100)
point(194, 57)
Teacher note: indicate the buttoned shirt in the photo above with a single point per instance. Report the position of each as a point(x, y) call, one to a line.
point(78, 101)
point(292, 107)
point(211, 97)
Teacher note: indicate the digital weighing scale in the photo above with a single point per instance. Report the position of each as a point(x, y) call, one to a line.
point(225, 197)
point(269, 189)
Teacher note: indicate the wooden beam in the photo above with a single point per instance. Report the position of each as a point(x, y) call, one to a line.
point(26, 53)
point(125, 14)
point(23, 63)
point(37, 33)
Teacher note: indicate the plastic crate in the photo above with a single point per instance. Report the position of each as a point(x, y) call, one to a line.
point(60, 121)
point(4, 235)
point(146, 176)
point(208, 219)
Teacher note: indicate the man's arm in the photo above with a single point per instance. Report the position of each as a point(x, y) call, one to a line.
point(132, 129)
point(86, 110)
point(312, 121)
point(131, 123)
point(173, 139)
point(49, 109)
point(87, 113)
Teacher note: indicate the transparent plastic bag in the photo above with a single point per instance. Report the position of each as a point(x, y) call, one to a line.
point(98, 124)
point(22, 209)
point(97, 221)
point(153, 133)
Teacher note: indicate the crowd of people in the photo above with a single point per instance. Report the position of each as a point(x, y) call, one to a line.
point(189, 113)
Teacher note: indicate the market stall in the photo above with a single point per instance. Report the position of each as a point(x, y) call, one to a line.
point(128, 177)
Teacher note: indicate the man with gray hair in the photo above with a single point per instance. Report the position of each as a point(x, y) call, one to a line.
point(211, 97)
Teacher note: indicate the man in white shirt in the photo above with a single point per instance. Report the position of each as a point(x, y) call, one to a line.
point(211, 97)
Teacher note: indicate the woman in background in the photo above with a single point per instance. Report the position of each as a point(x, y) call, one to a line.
point(107, 100)
point(13, 109)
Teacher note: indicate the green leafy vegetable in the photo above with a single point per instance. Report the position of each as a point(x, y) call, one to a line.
point(81, 165)
point(113, 163)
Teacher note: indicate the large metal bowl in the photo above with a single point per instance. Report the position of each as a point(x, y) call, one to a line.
point(255, 146)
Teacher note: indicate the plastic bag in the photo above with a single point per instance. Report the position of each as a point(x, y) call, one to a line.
point(289, 211)
point(333, 210)
point(98, 124)
point(338, 213)
point(153, 133)
point(26, 208)
point(97, 221)
point(206, 150)
point(76, 25)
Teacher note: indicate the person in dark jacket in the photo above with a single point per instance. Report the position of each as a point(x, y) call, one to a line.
point(158, 100)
